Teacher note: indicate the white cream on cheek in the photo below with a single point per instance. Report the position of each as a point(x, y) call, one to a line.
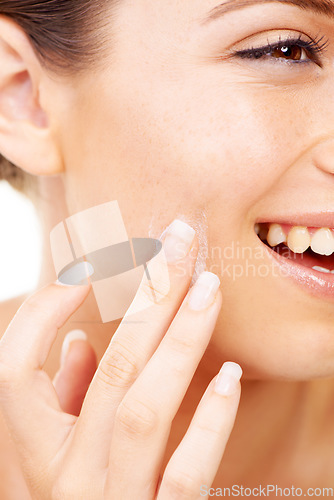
point(198, 221)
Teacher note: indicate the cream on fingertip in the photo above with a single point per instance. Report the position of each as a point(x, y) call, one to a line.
point(177, 240)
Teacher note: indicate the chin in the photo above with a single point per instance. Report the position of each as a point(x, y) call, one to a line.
point(291, 350)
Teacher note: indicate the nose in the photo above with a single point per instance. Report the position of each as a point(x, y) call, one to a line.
point(323, 155)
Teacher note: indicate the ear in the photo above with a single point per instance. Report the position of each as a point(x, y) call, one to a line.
point(26, 137)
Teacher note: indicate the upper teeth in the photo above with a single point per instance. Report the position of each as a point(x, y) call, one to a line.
point(323, 242)
point(299, 239)
point(275, 235)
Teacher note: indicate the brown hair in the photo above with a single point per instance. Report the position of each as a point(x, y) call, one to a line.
point(67, 36)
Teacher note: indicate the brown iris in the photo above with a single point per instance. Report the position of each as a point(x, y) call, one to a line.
point(294, 52)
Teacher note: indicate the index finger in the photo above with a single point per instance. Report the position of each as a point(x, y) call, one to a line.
point(31, 333)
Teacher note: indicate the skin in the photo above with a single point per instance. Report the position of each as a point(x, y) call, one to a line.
point(207, 123)
point(239, 140)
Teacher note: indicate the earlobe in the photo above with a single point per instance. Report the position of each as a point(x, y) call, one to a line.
point(26, 138)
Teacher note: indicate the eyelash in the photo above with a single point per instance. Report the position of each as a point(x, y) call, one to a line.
point(314, 47)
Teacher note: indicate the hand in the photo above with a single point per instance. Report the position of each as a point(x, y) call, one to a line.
point(114, 448)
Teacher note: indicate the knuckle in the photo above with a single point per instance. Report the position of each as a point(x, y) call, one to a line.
point(156, 288)
point(211, 431)
point(119, 367)
point(155, 292)
point(32, 304)
point(136, 419)
point(32, 307)
point(183, 344)
point(181, 485)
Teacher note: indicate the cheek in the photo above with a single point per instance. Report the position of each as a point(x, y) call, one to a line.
point(196, 136)
point(233, 141)
point(238, 146)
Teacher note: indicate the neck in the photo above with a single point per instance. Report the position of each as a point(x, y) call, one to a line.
point(51, 209)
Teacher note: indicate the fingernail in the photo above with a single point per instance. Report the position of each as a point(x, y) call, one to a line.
point(76, 275)
point(178, 238)
point(60, 283)
point(228, 378)
point(203, 293)
point(73, 335)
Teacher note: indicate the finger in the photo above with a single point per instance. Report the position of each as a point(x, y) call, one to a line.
point(25, 390)
point(78, 365)
point(30, 335)
point(134, 342)
point(144, 417)
point(194, 464)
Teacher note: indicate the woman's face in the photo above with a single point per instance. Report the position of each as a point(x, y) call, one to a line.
point(178, 123)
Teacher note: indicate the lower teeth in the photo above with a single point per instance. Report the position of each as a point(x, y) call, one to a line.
point(322, 269)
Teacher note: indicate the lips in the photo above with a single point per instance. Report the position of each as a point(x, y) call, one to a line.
point(305, 253)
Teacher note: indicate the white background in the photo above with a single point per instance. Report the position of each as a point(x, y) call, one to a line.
point(20, 244)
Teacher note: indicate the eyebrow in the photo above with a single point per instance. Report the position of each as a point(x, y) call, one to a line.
point(325, 7)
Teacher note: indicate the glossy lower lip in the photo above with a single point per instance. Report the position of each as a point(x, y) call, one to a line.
point(312, 282)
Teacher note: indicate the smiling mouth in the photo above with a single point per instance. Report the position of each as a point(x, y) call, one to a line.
point(311, 247)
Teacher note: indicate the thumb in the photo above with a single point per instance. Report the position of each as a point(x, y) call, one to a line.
point(77, 368)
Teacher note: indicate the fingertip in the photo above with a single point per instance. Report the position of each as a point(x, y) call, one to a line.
point(72, 293)
point(85, 286)
point(76, 371)
point(69, 338)
point(228, 379)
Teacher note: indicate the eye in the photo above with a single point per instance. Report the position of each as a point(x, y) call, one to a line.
point(295, 50)
point(291, 52)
